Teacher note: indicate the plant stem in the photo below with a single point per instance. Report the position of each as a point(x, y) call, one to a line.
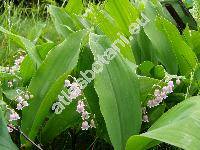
point(25, 136)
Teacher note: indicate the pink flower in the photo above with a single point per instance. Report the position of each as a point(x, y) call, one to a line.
point(14, 116)
point(158, 100)
point(85, 115)
point(169, 89)
point(164, 89)
point(80, 107)
point(163, 95)
point(171, 83)
point(151, 103)
point(19, 106)
point(85, 125)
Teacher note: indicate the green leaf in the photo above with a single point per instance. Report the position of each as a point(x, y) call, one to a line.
point(162, 46)
point(145, 68)
point(74, 6)
point(156, 113)
point(118, 92)
point(179, 127)
point(48, 80)
point(119, 21)
point(147, 49)
point(59, 123)
point(25, 44)
point(62, 21)
point(86, 59)
point(27, 68)
point(158, 72)
point(186, 58)
point(5, 140)
point(123, 12)
point(146, 84)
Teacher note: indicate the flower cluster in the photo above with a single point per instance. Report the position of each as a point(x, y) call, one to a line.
point(74, 89)
point(13, 68)
point(161, 94)
point(145, 118)
point(21, 100)
point(74, 92)
point(85, 116)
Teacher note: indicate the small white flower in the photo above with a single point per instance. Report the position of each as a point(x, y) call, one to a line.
point(92, 124)
point(9, 128)
point(151, 103)
point(85, 125)
point(25, 103)
point(156, 92)
point(19, 99)
point(26, 96)
point(178, 81)
point(31, 96)
point(10, 84)
point(7, 69)
point(67, 83)
point(145, 118)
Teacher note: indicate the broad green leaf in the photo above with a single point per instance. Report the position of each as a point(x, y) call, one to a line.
point(146, 84)
point(145, 68)
point(118, 92)
point(27, 68)
point(105, 19)
point(179, 127)
point(123, 12)
point(60, 60)
point(147, 49)
point(156, 113)
point(74, 6)
point(59, 123)
point(5, 139)
point(186, 58)
point(25, 44)
point(62, 21)
point(158, 72)
point(36, 32)
point(164, 52)
point(86, 59)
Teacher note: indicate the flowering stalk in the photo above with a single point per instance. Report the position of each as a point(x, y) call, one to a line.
point(21, 99)
point(162, 93)
point(74, 92)
point(24, 135)
point(145, 117)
